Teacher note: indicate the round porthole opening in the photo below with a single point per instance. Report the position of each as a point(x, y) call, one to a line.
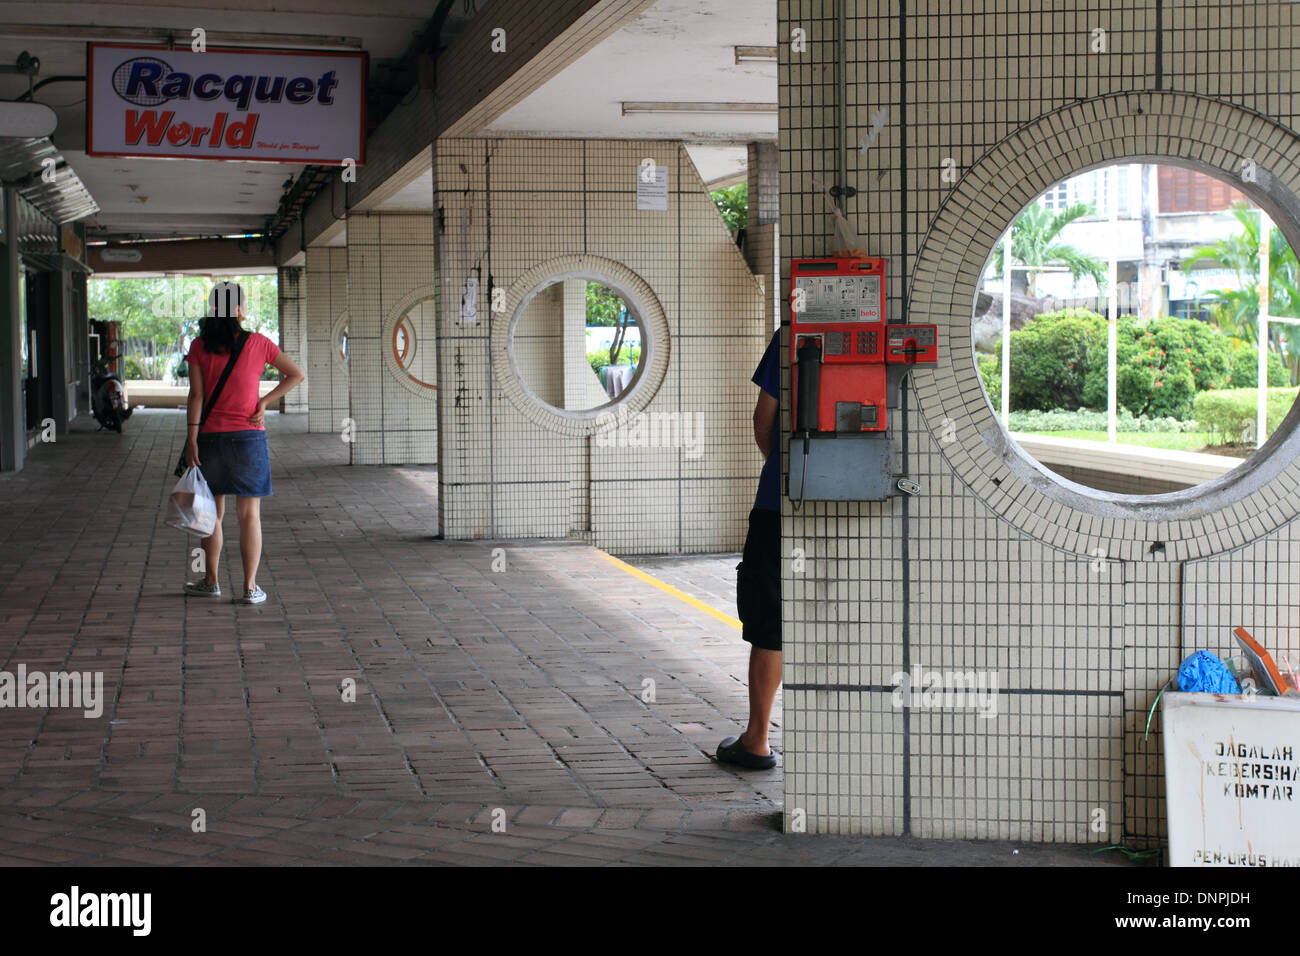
point(579, 344)
point(1132, 296)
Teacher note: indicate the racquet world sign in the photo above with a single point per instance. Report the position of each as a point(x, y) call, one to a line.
point(278, 105)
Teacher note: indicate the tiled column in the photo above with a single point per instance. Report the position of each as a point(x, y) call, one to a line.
point(391, 273)
point(581, 386)
point(682, 476)
point(764, 184)
point(762, 229)
point(293, 330)
point(326, 298)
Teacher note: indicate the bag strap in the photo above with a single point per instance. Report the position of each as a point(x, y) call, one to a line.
point(221, 382)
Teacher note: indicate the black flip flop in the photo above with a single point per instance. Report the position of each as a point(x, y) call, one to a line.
point(731, 751)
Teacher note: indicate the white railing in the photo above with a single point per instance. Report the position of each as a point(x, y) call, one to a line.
point(1265, 298)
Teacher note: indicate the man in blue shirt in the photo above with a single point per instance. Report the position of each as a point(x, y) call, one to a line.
point(758, 576)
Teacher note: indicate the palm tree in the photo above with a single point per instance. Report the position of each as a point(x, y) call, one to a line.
point(1236, 311)
point(1035, 242)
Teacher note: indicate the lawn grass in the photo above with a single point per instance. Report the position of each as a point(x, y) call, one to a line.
point(1175, 441)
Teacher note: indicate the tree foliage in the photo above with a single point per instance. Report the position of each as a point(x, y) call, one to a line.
point(1035, 241)
point(158, 316)
point(163, 309)
point(733, 205)
point(1236, 311)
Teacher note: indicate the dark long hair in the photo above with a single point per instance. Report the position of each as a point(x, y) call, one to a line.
point(221, 325)
point(218, 333)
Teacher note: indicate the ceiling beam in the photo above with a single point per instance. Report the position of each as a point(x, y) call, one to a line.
point(181, 35)
point(202, 256)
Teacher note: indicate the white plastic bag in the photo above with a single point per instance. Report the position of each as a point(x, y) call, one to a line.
point(192, 507)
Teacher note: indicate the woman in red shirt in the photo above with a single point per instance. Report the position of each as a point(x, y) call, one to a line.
point(230, 448)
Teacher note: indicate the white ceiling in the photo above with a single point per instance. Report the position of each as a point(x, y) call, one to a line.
point(415, 196)
point(676, 51)
point(719, 165)
point(167, 197)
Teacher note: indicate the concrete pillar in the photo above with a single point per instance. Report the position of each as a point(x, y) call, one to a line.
point(62, 323)
point(293, 330)
point(762, 230)
point(581, 384)
point(13, 427)
point(390, 262)
point(764, 184)
point(326, 318)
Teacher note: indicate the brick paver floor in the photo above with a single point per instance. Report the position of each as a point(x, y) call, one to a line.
point(710, 578)
point(392, 700)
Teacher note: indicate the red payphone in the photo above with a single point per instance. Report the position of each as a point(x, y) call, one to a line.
point(847, 362)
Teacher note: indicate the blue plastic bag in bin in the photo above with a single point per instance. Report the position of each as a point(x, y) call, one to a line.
point(1203, 672)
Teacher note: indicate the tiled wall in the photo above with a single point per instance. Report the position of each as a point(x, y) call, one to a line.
point(390, 269)
point(1081, 606)
point(293, 329)
point(327, 312)
point(682, 478)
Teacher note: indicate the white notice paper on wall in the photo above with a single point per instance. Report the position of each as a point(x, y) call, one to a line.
point(652, 196)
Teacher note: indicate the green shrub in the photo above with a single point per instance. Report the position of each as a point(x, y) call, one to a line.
point(1244, 360)
point(990, 368)
point(1060, 420)
point(626, 356)
point(1051, 358)
point(132, 369)
point(1059, 361)
point(1229, 413)
point(1162, 363)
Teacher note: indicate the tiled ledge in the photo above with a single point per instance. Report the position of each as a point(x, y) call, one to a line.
point(1191, 468)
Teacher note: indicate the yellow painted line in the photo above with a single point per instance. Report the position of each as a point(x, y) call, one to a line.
point(669, 589)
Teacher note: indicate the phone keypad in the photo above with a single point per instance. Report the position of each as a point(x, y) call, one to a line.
point(867, 343)
point(839, 343)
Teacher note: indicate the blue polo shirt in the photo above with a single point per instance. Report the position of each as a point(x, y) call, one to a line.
point(768, 377)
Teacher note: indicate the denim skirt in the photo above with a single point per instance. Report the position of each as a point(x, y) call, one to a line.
point(236, 463)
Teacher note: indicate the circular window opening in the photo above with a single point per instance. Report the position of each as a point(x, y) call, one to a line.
point(577, 344)
point(1133, 297)
point(412, 344)
point(340, 339)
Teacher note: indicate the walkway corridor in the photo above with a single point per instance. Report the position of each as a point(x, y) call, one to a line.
point(512, 697)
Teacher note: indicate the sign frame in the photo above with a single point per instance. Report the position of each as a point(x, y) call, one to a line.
point(92, 45)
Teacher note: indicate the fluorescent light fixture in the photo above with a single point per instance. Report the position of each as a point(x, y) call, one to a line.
point(27, 120)
point(678, 107)
point(755, 54)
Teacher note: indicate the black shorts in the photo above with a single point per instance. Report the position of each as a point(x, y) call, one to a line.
point(758, 581)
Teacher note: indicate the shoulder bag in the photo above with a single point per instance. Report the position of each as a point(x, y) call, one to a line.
point(216, 393)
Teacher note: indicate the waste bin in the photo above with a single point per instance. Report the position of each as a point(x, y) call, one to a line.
point(1232, 779)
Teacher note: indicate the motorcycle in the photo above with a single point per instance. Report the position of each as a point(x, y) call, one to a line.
point(108, 400)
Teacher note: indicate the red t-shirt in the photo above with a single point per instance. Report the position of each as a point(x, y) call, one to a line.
point(242, 390)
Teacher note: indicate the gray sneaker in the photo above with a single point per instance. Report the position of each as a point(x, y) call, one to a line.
point(253, 596)
point(202, 589)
